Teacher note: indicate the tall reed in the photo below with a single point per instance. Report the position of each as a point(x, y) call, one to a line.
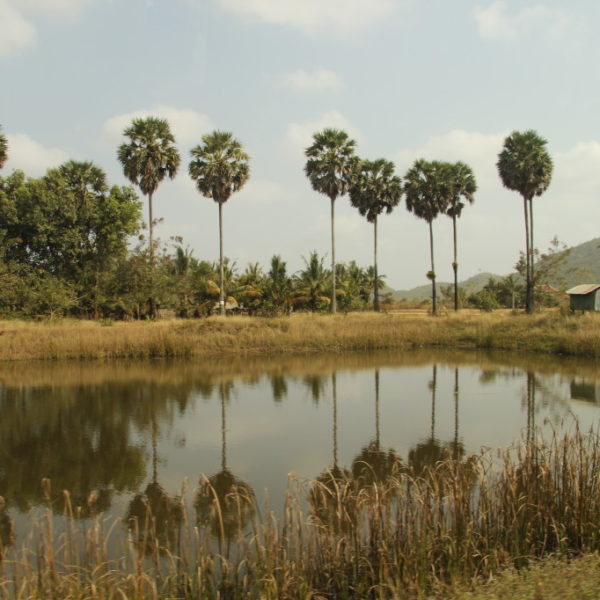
point(406, 535)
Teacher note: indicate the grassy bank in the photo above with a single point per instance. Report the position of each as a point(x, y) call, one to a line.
point(452, 528)
point(303, 333)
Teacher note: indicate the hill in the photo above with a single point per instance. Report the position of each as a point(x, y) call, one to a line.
point(422, 292)
point(582, 265)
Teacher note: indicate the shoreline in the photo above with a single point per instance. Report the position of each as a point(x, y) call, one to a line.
point(548, 332)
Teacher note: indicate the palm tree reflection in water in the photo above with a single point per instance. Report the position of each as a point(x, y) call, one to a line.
point(332, 497)
point(374, 465)
point(155, 517)
point(224, 503)
point(7, 532)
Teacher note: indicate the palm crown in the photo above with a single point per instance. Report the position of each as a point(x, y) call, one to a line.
point(331, 163)
point(219, 166)
point(462, 185)
point(426, 189)
point(524, 164)
point(150, 154)
point(377, 189)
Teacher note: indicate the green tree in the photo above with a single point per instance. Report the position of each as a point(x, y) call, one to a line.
point(149, 157)
point(376, 190)
point(426, 192)
point(68, 225)
point(219, 167)
point(462, 187)
point(3, 148)
point(278, 286)
point(331, 168)
point(525, 166)
point(311, 284)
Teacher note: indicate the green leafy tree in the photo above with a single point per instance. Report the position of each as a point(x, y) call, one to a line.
point(331, 169)
point(549, 274)
point(251, 288)
point(311, 284)
point(278, 287)
point(3, 148)
point(426, 192)
point(376, 190)
point(69, 226)
point(148, 157)
point(462, 187)
point(219, 167)
point(525, 166)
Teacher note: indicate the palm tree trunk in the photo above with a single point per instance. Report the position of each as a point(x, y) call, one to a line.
point(455, 264)
point(532, 260)
point(433, 390)
point(377, 432)
point(376, 305)
point(333, 296)
point(528, 260)
point(433, 290)
point(150, 225)
point(151, 241)
point(221, 273)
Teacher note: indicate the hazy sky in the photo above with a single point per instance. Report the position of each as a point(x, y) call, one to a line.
point(439, 79)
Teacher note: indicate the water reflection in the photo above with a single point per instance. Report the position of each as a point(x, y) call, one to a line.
point(373, 464)
point(332, 491)
point(7, 531)
point(105, 431)
point(154, 517)
point(224, 503)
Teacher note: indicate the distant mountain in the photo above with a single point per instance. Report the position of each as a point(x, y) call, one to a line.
point(471, 285)
point(582, 265)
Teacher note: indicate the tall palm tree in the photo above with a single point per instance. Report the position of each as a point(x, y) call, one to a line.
point(426, 192)
point(525, 166)
point(376, 190)
point(149, 157)
point(3, 148)
point(331, 167)
point(219, 167)
point(462, 187)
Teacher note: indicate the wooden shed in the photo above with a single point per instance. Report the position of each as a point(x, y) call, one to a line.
point(585, 297)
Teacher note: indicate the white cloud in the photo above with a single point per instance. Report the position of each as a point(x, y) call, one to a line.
point(495, 21)
point(299, 135)
point(478, 150)
point(313, 81)
point(314, 16)
point(16, 33)
point(187, 125)
point(30, 156)
point(56, 8)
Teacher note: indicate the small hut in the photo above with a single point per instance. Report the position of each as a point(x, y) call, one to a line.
point(585, 297)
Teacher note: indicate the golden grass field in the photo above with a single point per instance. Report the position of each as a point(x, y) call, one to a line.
point(550, 331)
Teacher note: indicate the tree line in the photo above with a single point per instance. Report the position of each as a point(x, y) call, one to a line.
point(65, 238)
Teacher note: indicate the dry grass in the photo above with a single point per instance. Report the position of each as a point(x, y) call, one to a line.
point(401, 534)
point(302, 333)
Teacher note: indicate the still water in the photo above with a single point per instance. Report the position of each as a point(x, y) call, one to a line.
point(108, 430)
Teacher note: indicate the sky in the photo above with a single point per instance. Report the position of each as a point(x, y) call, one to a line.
point(407, 79)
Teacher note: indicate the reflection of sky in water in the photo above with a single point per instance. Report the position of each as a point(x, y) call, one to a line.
point(267, 440)
point(271, 434)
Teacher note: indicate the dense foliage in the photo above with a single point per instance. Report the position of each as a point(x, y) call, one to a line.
point(67, 239)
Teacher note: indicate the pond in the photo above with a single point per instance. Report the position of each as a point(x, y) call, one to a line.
point(106, 431)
